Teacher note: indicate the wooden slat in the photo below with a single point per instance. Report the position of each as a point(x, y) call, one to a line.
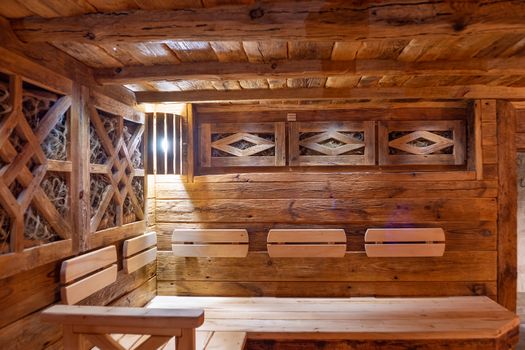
point(160, 151)
point(101, 316)
point(134, 245)
point(150, 143)
point(282, 20)
point(170, 126)
point(84, 264)
point(210, 236)
point(137, 261)
point(306, 250)
point(77, 291)
point(309, 68)
point(227, 341)
point(459, 92)
point(405, 250)
point(210, 250)
point(405, 235)
point(306, 236)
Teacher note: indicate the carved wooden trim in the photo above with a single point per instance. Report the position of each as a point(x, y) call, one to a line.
point(422, 142)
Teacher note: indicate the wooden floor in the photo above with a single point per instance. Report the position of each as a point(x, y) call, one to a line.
point(349, 319)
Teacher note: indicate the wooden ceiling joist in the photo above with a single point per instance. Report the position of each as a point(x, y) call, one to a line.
point(307, 68)
point(316, 20)
point(441, 92)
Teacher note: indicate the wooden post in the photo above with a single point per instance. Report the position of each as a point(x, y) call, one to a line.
point(190, 153)
point(71, 340)
point(186, 341)
point(507, 206)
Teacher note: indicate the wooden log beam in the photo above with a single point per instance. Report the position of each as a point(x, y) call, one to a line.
point(288, 20)
point(439, 92)
point(306, 68)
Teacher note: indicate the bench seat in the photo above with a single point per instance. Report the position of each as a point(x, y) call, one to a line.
point(452, 322)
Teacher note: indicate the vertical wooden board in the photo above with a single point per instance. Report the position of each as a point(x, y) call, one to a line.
point(190, 133)
point(160, 153)
point(280, 144)
point(507, 206)
point(150, 143)
point(370, 143)
point(478, 139)
point(205, 145)
point(293, 143)
point(178, 142)
point(171, 143)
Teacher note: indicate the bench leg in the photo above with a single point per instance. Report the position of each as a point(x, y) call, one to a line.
point(71, 340)
point(186, 341)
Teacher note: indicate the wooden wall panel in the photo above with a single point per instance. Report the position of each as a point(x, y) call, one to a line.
point(462, 202)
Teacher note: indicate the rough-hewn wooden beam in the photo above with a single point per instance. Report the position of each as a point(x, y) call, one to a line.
point(440, 92)
point(286, 20)
point(306, 68)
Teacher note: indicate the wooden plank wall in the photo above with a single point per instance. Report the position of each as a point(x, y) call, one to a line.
point(24, 294)
point(463, 202)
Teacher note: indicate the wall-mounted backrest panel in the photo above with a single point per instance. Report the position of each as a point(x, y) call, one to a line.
point(139, 251)
point(85, 274)
point(297, 243)
point(231, 243)
point(405, 242)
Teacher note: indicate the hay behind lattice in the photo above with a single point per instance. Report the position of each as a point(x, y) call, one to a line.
point(5, 231)
point(97, 153)
point(36, 228)
point(136, 156)
point(56, 188)
point(5, 101)
point(98, 185)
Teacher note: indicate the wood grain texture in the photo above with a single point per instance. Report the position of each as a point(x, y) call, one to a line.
point(75, 292)
point(134, 245)
point(507, 206)
point(241, 22)
point(82, 265)
point(139, 260)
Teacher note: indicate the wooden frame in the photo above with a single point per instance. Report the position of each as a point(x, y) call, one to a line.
point(241, 132)
point(26, 165)
point(426, 154)
point(326, 131)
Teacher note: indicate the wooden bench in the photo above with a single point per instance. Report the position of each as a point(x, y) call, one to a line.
point(423, 323)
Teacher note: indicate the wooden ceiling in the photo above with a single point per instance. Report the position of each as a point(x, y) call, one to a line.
point(212, 46)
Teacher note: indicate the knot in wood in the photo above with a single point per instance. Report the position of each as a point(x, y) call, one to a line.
point(90, 36)
point(256, 13)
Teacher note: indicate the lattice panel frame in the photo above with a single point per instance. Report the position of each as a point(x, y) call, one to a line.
point(24, 165)
point(248, 133)
point(119, 171)
point(342, 135)
point(413, 154)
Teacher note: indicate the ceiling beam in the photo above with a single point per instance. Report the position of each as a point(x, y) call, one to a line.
point(306, 68)
point(438, 92)
point(317, 20)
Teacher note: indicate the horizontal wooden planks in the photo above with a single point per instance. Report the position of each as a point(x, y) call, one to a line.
point(77, 291)
point(460, 236)
point(453, 266)
point(325, 188)
point(84, 264)
point(139, 260)
point(327, 210)
point(134, 245)
point(326, 289)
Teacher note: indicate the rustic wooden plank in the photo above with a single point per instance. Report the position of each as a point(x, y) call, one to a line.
point(453, 266)
point(326, 211)
point(306, 236)
point(405, 235)
point(241, 22)
point(478, 139)
point(309, 68)
point(160, 142)
point(306, 250)
point(210, 236)
point(326, 289)
point(101, 316)
point(210, 250)
point(226, 340)
point(77, 291)
point(437, 92)
point(137, 261)
point(82, 265)
point(507, 203)
point(399, 250)
point(139, 296)
point(134, 245)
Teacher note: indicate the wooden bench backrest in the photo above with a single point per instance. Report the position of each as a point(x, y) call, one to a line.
point(231, 243)
point(139, 251)
point(405, 242)
point(299, 243)
point(85, 274)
